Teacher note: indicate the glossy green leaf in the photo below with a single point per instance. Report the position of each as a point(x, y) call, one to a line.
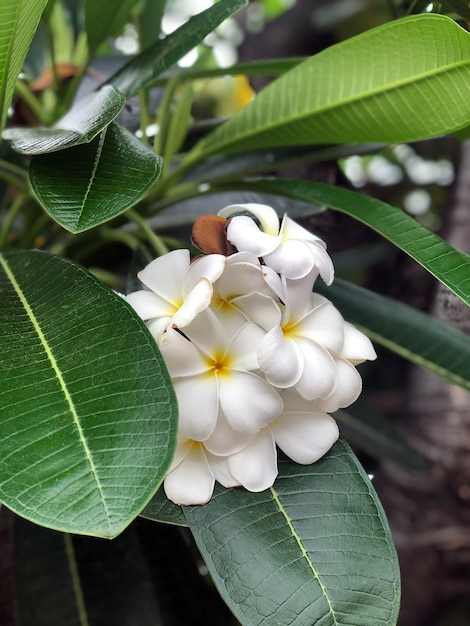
point(80, 125)
point(105, 18)
point(160, 509)
point(450, 266)
point(88, 409)
point(94, 182)
point(65, 580)
point(405, 80)
point(18, 22)
point(313, 549)
point(142, 70)
point(414, 335)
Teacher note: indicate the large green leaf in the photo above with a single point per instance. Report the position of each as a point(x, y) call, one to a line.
point(448, 265)
point(313, 549)
point(81, 124)
point(145, 68)
point(88, 410)
point(18, 22)
point(65, 580)
point(89, 184)
point(418, 337)
point(105, 18)
point(406, 80)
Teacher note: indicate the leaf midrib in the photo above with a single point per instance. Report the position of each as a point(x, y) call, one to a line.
point(331, 106)
point(304, 554)
point(93, 174)
point(47, 349)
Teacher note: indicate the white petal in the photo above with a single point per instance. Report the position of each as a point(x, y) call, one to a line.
point(260, 309)
point(255, 467)
point(209, 266)
point(249, 403)
point(347, 390)
point(191, 482)
point(298, 297)
point(225, 440)
point(273, 280)
point(324, 325)
point(291, 258)
point(183, 448)
point(280, 359)
point(319, 376)
point(165, 275)
point(305, 437)
point(182, 358)
point(196, 301)
point(291, 230)
point(246, 236)
point(242, 350)
point(356, 347)
point(198, 406)
point(220, 470)
point(149, 306)
point(266, 215)
point(208, 334)
point(323, 262)
point(157, 328)
point(241, 278)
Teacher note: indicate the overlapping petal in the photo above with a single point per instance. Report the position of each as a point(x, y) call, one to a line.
point(305, 436)
point(191, 481)
point(255, 467)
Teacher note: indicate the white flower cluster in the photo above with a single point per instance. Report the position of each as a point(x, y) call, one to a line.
point(257, 359)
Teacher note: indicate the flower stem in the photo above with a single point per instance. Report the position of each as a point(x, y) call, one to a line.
point(155, 241)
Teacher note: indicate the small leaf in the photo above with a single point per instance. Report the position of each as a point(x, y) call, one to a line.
point(414, 335)
point(105, 18)
point(146, 67)
point(450, 266)
point(81, 124)
point(94, 182)
point(313, 549)
point(417, 86)
point(18, 23)
point(88, 408)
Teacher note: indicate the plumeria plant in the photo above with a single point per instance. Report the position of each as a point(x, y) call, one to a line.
point(183, 396)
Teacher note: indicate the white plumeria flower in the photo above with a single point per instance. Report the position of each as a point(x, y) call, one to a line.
point(242, 293)
point(178, 289)
point(298, 351)
point(289, 249)
point(214, 372)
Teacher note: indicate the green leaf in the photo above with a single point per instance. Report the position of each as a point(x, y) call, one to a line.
point(149, 22)
point(88, 409)
point(18, 22)
point(76, 581)
point(94, 182)
point(81, 124)
point(160, 509)
point(450, 266)
point(313, 549)
point(144, 69)
point(414, 335)
point(406, 80)
point(105, 18)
